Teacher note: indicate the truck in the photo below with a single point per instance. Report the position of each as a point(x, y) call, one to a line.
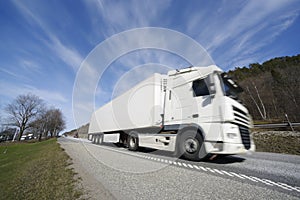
point(192, 112)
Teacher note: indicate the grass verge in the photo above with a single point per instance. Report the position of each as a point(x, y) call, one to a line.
point(36, 171)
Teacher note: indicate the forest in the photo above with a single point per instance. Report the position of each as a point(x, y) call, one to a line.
point(271, 89)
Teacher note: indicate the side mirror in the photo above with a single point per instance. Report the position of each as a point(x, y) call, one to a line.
point(211, 84)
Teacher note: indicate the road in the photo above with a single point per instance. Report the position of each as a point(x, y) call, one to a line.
point(111, 172)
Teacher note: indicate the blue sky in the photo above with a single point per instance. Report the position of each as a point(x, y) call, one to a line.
point(43, 43)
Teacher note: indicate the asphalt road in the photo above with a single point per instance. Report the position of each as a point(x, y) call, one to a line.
point(111, 172)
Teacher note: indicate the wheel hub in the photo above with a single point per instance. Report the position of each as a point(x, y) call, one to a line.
point(132, 142)
point(191, 145)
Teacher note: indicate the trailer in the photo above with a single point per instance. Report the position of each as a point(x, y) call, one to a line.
point(192, 112)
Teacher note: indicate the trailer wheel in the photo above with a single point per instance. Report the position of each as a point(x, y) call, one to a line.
point(133, 142)
point(191, 145)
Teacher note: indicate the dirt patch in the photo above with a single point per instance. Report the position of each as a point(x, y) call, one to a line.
point(287, 142)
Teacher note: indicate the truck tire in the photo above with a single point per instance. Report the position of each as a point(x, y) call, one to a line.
point(133, 142)
point(190, 145)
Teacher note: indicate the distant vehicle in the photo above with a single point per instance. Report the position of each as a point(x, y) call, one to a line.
point(192, 112)
point(27, 137)
point(7, 134)
point(2, 138)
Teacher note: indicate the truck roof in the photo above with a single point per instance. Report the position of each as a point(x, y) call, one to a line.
point(201, 70)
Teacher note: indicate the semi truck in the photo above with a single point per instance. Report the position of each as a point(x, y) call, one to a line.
point(193, 112)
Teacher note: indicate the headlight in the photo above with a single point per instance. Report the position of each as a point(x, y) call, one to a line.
point(231, 135)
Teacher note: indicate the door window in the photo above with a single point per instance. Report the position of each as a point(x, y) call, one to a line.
point(200, 88)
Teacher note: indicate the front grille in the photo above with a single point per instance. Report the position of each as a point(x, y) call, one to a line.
point(245, 135)
point(240, 117)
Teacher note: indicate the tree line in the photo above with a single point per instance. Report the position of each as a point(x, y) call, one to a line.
point(271, 89)
point(30, 114)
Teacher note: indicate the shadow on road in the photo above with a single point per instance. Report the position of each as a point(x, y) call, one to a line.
point(220, 159)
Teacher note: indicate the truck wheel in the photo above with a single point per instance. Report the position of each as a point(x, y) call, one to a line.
point(133, 142)
point(191, 145)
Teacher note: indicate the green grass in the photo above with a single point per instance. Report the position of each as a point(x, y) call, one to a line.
point(36, 171)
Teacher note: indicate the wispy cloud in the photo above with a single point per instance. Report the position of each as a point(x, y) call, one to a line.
point(252, 14)
point(29, 65)
point(123, 15)
point(12, 90)
point(235, 33)
point(67, 54)
point(15, 75)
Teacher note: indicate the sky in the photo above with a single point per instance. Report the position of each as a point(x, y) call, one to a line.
point(54, 48)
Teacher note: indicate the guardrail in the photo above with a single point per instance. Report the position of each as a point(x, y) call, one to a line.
point(281, 125)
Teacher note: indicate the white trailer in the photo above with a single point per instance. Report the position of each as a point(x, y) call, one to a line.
point(192, 112)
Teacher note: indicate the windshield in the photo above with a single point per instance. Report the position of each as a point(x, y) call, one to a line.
point(231, 89)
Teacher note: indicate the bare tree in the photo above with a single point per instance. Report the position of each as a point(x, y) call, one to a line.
point(56, 121)
point(261, 110)
point(39, 126)
point(51, 121)
point(23, 110)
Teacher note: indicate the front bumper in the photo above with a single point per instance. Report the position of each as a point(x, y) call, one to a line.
point(230, 148)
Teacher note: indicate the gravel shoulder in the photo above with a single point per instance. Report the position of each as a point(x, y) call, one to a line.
point(93, 188)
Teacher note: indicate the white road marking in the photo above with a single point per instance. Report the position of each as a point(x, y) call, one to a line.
point(297, 189)
point(179, 164)
point(218, 171)
point(184, 164)
point(190, 166)
point(286, 186)
point(175, 163)
point(260, 180)
point(227, 173)
point(247, 177)
point(237, 175)
point(203, 168)
point(195, 166)
point(209, 169)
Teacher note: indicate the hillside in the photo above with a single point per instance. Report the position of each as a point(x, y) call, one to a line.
point(80, 132)
point(271, 89)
